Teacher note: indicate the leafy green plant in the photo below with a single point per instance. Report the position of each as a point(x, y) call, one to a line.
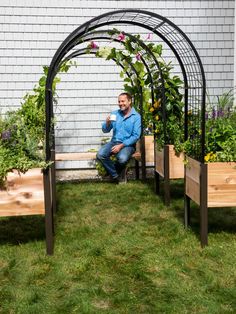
point(131, 57)
point(220, 129)
point(22, 132)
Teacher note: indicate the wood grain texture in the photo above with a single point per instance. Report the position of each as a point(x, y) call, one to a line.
point(192, 181)
point(176, 163)
point(24, 195)
point(221, 184)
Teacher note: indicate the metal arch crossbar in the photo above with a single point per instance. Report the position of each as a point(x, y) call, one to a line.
point(182, 47)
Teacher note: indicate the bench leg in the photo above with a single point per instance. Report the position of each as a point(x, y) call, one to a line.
point(136, 169)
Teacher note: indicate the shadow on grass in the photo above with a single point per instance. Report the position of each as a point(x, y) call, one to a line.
point(21, 229)
point(219, 219)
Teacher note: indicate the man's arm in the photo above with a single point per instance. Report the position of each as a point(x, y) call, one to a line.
point(107, 125)
point(136, 132)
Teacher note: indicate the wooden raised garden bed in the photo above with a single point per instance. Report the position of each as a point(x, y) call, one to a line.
point(169, 166)
point(24, 194)
point(209, 185)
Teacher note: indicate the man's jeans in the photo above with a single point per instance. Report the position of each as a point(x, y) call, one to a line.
point(114, 167)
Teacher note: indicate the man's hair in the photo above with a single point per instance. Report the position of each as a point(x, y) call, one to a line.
point(129, 97)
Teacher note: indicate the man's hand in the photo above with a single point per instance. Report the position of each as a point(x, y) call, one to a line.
point(108, 120)
point(116, 148)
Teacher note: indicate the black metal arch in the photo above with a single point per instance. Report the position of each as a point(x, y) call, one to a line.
point(105, 34)
point(183, 49)
point(172, 35)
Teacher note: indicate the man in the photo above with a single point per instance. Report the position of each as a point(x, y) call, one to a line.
point(126, 125)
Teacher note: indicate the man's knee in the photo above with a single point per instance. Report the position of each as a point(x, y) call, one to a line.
point(123, 159)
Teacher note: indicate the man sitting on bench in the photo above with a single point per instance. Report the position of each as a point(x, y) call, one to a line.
point(126, 125)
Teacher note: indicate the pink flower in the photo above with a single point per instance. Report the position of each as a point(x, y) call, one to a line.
point(149, 36)
point(121, 37)
point(138, 56)
point(93, 45)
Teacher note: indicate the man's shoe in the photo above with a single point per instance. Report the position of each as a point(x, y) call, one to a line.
point(115, 180)
point(123, 176)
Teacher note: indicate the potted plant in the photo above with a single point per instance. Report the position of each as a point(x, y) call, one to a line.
point(212, 183)
point(22, 158)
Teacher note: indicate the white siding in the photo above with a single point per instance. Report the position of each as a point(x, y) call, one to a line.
point(31, 31)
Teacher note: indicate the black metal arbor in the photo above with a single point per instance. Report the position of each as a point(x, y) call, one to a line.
point(181, 46)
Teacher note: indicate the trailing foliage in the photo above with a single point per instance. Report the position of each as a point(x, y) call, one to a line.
point(138, 82)
point(22, 132)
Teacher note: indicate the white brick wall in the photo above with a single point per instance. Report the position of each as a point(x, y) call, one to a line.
point(31, 31)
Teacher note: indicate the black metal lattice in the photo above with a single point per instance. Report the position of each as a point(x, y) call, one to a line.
point(179, 43)
point(184, 51)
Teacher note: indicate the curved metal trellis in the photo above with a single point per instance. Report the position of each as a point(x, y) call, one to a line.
point(183, 49)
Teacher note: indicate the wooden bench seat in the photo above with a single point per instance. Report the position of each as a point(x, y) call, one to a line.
point(86, 156)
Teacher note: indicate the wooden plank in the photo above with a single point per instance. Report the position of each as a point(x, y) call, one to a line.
point(192, 186)
point(176, 164)
point(149, 148)
point(160, 162)
point(192, 189)
point(193, 169)
point(25, 194)
point(222, 184)
point(75, 156)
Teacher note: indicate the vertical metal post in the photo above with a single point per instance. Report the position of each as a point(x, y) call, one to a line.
point(166, 175)
point(203, 206)
point(157, 183)
point(186, 203)
point(53, 180)
point(143, 157)
point(186, 211)
point(48, 213)
point(136, 169)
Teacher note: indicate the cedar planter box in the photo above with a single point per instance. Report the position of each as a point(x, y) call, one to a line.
point(169, 166)
point(24, 194)
point(175, 163)
point(144, 153)
point(220, 185)
point(209, 185)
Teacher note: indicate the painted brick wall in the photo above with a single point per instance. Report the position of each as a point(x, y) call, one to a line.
point(31, 32)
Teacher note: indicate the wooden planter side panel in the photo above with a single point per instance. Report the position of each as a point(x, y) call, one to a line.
point(25, 194)
point(192, 180)
point(222, 184)
point(149, 149)
point(176, 164)
point(160, 162)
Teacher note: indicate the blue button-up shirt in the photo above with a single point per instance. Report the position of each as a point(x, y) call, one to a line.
point(126, 130)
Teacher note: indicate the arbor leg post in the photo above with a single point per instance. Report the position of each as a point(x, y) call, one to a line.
point(203, 206)
point(48, 213)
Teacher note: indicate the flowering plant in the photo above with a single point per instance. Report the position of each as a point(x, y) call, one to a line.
point(22, 132)
point(220, 130)
point(130, 56)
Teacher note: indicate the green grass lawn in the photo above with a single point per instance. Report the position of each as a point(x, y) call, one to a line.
point(118, 249)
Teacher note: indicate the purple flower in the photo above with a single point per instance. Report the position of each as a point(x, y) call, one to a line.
point(148, 36)
point(213, 113)
point(6, 135)
point(93, 45)
point(206, 116)
point(121, 37)
point(138, 56)
point(220, 113)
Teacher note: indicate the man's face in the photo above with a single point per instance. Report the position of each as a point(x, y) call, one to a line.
point(124, 103)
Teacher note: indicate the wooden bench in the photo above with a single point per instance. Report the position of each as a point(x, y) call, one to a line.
point(144, 152)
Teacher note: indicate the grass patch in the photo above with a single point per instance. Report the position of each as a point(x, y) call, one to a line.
point(118, 249)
